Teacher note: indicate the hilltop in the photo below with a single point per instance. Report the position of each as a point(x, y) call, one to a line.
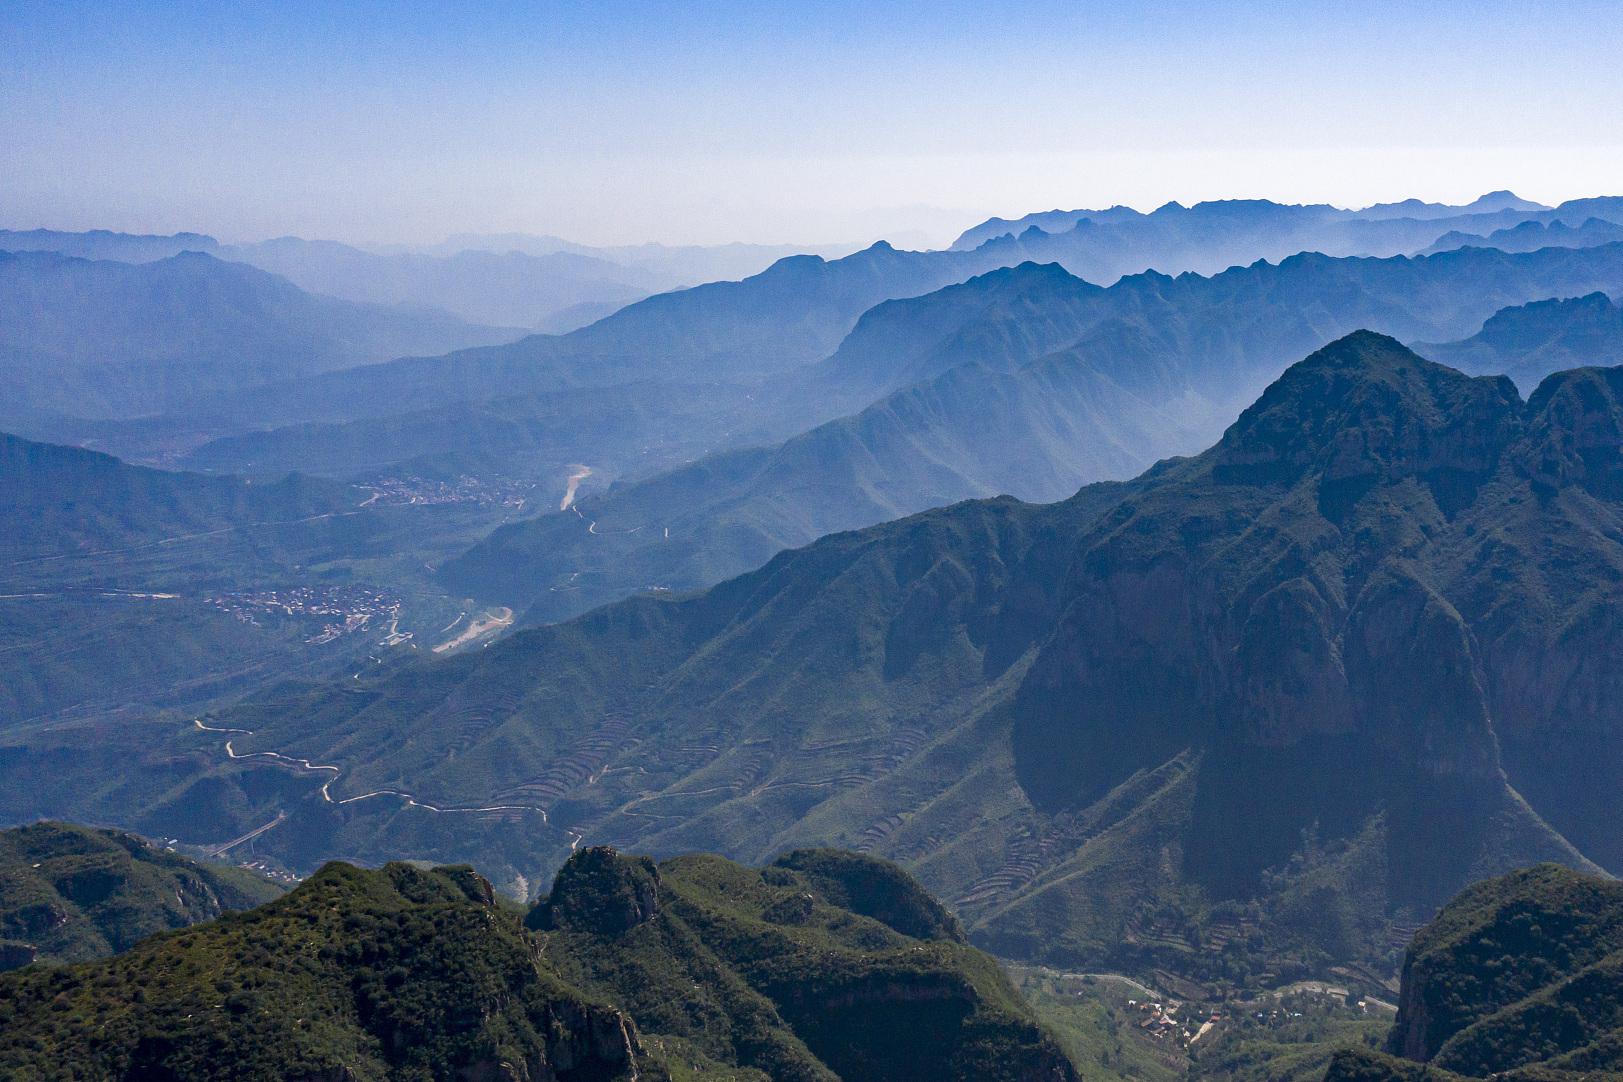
point(1518, 978)
point(821, 966)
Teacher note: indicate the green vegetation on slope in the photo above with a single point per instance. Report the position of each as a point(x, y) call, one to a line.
point(1366, 1065)
point(821, 966)
point(124, 586)
point(697, 968)
point(71, 893)
point(392, 974)
point(1293, 1042)
point(1517, 973)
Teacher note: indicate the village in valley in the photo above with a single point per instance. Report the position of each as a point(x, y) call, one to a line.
point(413, 491)
point(324, 612)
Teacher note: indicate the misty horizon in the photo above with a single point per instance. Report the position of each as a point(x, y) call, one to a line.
point(628, 122)
point(916, 239)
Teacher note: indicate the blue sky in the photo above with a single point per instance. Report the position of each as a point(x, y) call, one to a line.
point(619, 121)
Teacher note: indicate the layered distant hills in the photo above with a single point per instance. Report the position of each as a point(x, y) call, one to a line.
point(103, 339)
point(1256, 211)
point(509, 280)
point(1208, 237)
point(1031, 382)
point(1530, 236)
point(1311, 682)
point(1528, 342)
point(726, 335)
point(820, 967)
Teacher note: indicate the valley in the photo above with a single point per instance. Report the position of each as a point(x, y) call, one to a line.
point(1168, 642)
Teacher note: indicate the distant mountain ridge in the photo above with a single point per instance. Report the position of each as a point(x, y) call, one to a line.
point(106, 244)
point(1061, 221)
point(676, 264)
point(1026, 381)
point(1528, 342)
point(541, 283)
point(891, 345)
point(1530, 236)
point(795, 313)
point(506, 289)
point(100, 338)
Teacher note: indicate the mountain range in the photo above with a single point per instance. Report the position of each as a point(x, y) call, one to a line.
point(1532, 235)
point(729, 333)
point(540, 283)
point(1031, 382)
point(1258, 210)
point(1207, 344)
point(1310, 681)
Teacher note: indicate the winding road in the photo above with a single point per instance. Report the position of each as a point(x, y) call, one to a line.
point(307, 766)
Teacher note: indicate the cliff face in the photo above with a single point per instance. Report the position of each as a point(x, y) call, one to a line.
point(1374, 582)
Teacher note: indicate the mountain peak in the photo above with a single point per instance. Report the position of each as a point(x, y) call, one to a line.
point(1365, 406)
point(598, 890)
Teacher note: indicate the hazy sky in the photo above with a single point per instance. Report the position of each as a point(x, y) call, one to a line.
point(611, 122)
